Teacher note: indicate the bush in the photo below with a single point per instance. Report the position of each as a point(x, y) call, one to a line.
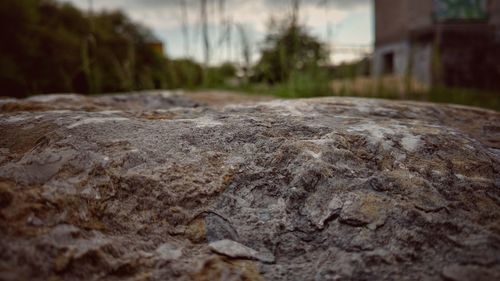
point(53, 47)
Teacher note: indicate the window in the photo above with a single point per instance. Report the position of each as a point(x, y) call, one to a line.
point(445, 10)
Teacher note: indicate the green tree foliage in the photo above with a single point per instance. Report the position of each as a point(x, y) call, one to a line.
point(185, 73)
point(218, 75)
point(53, 47)
point(288, 48)
point(17, 21)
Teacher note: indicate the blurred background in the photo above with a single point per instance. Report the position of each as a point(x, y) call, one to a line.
point(429, 50)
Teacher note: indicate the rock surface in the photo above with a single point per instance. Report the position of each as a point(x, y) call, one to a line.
point(162, 186)
point(236, 250)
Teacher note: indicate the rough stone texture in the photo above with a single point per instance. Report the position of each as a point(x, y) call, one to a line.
point(164, 187)
point(236, 250)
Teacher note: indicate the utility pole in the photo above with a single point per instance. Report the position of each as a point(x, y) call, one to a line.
point(185, 29)
point(91, 15)
point(295, 11)
point(87, 60)
point(204, 27)
point(222, 26)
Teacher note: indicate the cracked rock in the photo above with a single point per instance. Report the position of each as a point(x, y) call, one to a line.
point(362, 209)
point(173, 186)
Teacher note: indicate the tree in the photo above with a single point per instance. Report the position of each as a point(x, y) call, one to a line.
point(17, 21)
point(51, 47)
point(288, 48)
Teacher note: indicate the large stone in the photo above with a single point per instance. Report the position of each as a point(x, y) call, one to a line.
point(173, 186)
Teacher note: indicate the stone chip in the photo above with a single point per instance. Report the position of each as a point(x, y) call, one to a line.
point(236, 250)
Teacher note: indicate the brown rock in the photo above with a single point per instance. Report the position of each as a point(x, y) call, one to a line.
point(137, 187)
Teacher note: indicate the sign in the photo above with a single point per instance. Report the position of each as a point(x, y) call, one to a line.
point(445, 10)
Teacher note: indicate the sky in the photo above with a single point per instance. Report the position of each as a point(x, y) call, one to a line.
point(346, 25)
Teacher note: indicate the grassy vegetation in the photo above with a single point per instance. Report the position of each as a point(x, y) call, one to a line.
point(302, 85)
point(465, 97)
point(307, 85)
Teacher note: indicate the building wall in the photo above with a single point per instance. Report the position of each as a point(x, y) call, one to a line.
point(416, 58)
point(420, 14)
point(395, 21)
point(421, 62)
point(495, 12)
point(157, 47)
point(468, 49)
point(400, 52)
point(391, 21)
point(495, 18)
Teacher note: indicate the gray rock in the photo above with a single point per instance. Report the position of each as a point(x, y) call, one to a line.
point(218, 228)
point(321, 211)
point(234, 249)
point(364, 209)
point(458, 272)
point(168, 252)
point(172, 186)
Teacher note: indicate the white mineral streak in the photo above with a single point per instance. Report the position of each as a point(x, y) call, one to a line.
point(376, 133)
point(97, 120)
point(234, 249)
point(54, 97)
point(410, 142)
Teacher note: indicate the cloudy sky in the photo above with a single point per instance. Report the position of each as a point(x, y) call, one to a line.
point(343, 23)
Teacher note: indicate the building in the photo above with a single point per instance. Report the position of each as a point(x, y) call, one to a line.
point(450, 42)
point(157, 46)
